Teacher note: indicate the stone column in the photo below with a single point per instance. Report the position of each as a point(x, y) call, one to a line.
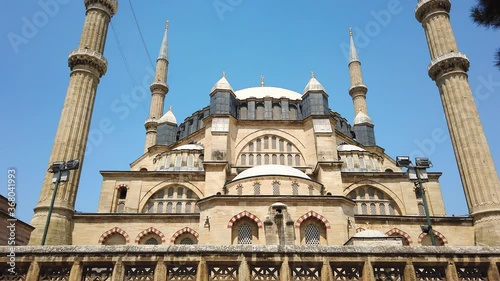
point(87, 65)
point(326, 271)
point(451, 272)
point(33, 271)
point(448, 69)
point(409, 272)
point(285, 274)
point(202, 272)
point(76, 271)
point(368, 272)
point(493, 273)
point(160, 270)
point(118, 271)
point(243, 270)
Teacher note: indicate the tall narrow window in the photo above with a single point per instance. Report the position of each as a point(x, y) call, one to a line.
point(256, 188)
point(373, 209)
point(250, 159)
point(295, 188)
point(273, 142)
point(160, 208)
point(297, 160)
point(259, 145)
point(421, 209)
point(282, 145)
point(266, 142)
point(243, 159)
point(282, 159)
point(275, 159)
point(245, 234)
point(188, 208)
point(250, 147)
point(312, 235)
point(276, 188)
point(266, 159)
point(382, 209)
point(289, 147)
point(180, 192)
point(364, 209)
point(290, 160)
point(170, 192)
point(178, 207)
point(169, 207)
point(259, 159)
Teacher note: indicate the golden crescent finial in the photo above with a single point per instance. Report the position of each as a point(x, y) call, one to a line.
point(262, 80)
point(166, 25)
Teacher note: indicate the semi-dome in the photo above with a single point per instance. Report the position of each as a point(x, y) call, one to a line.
point(189, 147)
point(168, 117)
point(271, 170)
point(349, 147)
point(261, 92)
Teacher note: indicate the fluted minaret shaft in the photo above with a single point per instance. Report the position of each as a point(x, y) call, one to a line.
point(357, 90)
point(87, 65)
point(159, 89)
point(448, 69)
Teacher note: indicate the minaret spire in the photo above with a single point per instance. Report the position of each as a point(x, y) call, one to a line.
point(448, 68)
point(159, 89)
point(363, 125)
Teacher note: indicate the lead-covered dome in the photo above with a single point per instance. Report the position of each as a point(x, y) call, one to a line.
point(271, 170)
point(262, 92)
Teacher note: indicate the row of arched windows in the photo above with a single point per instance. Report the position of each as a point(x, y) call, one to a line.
point(270, 149)
point(172, 200)
point(277, 189)
point(371, 201)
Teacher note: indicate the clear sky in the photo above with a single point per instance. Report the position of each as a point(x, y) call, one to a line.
point(284, 41)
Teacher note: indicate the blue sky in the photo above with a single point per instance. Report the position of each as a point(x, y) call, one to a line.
point(246, 39)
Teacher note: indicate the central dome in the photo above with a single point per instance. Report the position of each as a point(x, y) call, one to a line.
point(271, 170)
point(261, 92)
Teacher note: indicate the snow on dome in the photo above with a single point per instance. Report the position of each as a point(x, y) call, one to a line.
point(314, 85)
point(349, 147)
point(168, 117)
point(261, 92)
point(222, 84)
point(189, 147)
point(370, 234)
point(362, 118)
point(268, 170)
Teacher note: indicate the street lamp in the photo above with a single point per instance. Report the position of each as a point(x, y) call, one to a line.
point(60, 169)
point(418, 174)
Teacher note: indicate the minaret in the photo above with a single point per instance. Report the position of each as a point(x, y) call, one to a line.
point(448, 68)
point(159, 89)
point(87, 65)
point(363, 125)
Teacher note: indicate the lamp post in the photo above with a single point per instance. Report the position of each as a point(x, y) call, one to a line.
point(60, 169)
point(418, 174)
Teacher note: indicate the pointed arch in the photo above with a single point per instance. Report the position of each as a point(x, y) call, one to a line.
point(315, 215)
point(182, 231)
point(397, 200)
point(113, 231)
point(359, 229)
point(244, 214)
point(436, 233)
point(148, 231)
point(400, 232)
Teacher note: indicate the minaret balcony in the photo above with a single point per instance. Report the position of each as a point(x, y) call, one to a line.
point(158, 86)
point(358, 89)
point(453, 61)
point(110, 7)
point(151, 123)
point(90, 58)
point(426, 7)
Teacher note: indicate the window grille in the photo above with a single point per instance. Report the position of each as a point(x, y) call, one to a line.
point(312, 235)
point(151, 241)
point(276, 188)
point(256, 188)
point(295, 189)
point(97, 273)
point(245, 234)
point(187, 241)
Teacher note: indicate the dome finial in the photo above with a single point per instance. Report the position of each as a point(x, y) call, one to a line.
point(224, 74)
point(350, 31)
point(166, 25)
point(170, 108)
point(312, 74)
point(262, 80)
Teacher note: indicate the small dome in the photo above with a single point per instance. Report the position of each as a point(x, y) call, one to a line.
point(222, 84)
point(262, 92)
point(271, 170)
point(168, 117)
point(349, 147)
point(370, 234)
point(189, 147)
point(313, 85)
point(362, 118)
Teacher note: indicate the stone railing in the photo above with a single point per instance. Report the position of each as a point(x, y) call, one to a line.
point(203, 263)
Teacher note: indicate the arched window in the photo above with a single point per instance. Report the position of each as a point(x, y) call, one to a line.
point(259, 159)
point(373, 209)
point(312, 235)
point(169, 207)
point(178, 207)
point(282, 159)
point(426, 240)
point(259, 144)
point(421, 209)
point(243, 159)
point(276, 188)
point(289, 147)
point(295, 188)
point(382, 209)
point(170, 192)
point(275, 159)
point(122, 196)
point(256, 188)
point(364, 209)
point(250, 160)
point(273, 142)
point(151, 241)
point(266, 159)
point(297, 160)
point(266, 143)
point(114, 239)
point(188, 207)
point(160, 208)
point(180, 192)
point(290, 160)
point(187, 241)
point(245, 234)
point(178, 160)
